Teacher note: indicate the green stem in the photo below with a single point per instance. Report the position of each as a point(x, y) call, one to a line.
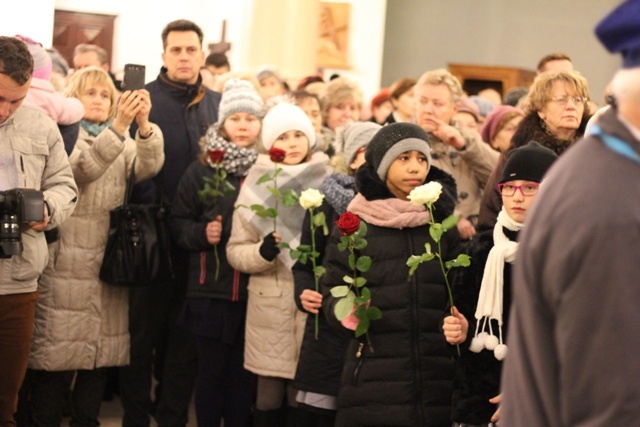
point(313, 262)
point(444, 274)
point(275, 218)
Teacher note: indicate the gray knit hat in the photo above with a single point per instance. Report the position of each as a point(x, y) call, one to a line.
point(393, 140)
point(354, 136)
point(239, 96)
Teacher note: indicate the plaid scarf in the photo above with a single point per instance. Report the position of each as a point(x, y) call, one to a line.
point(296, 177)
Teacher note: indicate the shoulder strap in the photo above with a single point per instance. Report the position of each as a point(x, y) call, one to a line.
point(616, 144)
point(130, 182)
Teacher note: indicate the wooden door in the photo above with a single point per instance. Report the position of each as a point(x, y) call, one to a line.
point(72, 28)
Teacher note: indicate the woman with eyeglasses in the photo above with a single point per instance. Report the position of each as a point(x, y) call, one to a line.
point(482, 292)
point(556, 115)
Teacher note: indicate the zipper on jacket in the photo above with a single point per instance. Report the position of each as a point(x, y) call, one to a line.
point(360, 357)
point(413, 283)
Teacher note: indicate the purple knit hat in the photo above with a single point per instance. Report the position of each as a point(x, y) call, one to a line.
point(492, 121)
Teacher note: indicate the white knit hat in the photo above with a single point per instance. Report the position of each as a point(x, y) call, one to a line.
point(239, 96)
point(282, 118)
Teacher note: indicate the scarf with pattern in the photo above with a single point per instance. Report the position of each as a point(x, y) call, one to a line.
point(237, 160)
point(296, 177)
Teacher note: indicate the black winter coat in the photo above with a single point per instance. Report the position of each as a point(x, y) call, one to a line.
point(184, 113)
point(321, 360)
point(407, 381)
point(477, 375)
point(188, 220)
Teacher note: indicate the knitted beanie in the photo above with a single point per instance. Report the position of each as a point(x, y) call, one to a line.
point(528, 163)
point(393, 140)
point(484, 106)
point(465, 105)
point(490, 127)
point(282, 118)
point(354, 136)
point(41, 59)
point(239, 96)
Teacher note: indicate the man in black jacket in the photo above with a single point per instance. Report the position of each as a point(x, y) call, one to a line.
point(184, 109)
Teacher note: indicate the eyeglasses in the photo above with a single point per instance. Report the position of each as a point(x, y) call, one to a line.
point(564, 100)
point(527, 189)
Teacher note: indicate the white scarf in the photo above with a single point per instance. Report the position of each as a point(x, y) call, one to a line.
point(491, 290)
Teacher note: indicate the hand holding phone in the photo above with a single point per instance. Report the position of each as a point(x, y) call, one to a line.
point(133, 77)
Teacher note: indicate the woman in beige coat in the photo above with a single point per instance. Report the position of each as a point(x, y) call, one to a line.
point(81, 323)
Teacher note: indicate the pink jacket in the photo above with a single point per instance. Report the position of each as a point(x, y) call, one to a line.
point(44, 97)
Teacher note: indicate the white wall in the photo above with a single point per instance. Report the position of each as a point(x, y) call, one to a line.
point(15, 18)
point(139, 23)
point(427, 34)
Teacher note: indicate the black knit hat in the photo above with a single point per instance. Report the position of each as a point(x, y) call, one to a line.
point(393, 140)
point(528, 163)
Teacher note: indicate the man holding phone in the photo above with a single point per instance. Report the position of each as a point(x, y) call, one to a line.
point(184, 109)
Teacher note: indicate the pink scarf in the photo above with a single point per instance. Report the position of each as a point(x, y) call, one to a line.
point(390, 213)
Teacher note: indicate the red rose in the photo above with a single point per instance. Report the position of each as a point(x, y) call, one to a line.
point(277, 155)
point(216, 156)
point(348, 224)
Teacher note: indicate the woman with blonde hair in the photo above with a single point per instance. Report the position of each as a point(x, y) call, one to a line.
point(81, 323)
point(556, 116)
point(341, 101)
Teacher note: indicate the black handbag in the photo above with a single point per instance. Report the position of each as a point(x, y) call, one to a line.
point(138, 251)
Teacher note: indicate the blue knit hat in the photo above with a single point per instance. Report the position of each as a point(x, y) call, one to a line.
point(620, 32)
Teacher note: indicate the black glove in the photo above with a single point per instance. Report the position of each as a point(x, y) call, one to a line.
point(268, 249)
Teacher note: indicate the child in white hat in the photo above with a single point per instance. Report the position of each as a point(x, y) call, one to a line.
point(274, 326)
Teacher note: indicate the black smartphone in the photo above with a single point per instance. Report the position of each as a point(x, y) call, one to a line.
point(133, 77)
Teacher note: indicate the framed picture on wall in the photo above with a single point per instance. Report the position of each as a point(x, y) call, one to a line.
point(333, 40)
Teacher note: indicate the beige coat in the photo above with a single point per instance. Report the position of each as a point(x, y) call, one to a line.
point(470, 168)
point(42, 164)
point(82, 323)
point(274, 325)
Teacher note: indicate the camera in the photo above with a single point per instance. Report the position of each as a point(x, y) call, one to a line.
point(17, 206)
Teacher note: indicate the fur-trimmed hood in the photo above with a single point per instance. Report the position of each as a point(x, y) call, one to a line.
point(369, 184)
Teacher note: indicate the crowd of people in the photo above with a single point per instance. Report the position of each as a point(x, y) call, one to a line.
point(249, 324)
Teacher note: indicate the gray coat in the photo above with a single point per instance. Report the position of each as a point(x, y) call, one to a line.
point(575, 318)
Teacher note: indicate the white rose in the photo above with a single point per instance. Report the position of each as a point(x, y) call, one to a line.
point(426, 194)
point(311, 198)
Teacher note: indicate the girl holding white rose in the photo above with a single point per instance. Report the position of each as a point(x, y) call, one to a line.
point(482, 292)
point(321, 357)
point(407, 380)
point(274, 327)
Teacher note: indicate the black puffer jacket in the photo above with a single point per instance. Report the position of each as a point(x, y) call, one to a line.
point(189, 218)
point(407, 381)
point(477, 377)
